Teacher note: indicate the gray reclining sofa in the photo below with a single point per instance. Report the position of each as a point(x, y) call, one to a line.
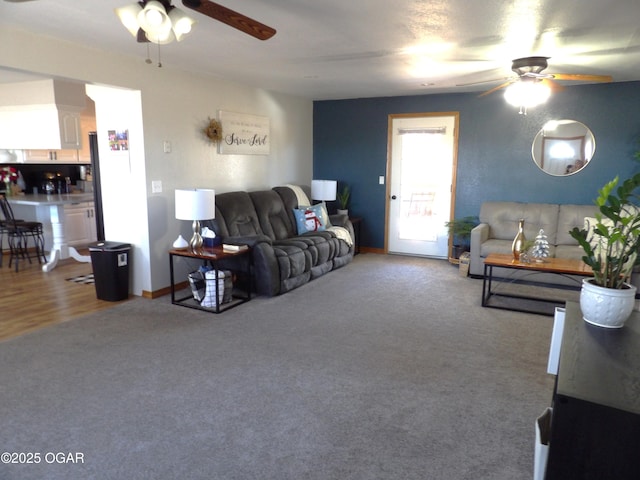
point(281, 259)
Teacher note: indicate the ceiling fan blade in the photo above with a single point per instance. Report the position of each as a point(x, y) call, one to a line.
point(582, 78)
point(553, 86)
point(503, 85)
point(479, 82)
point(231, 18)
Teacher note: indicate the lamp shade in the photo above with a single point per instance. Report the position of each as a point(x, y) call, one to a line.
point(195, 204)
point(324, 189)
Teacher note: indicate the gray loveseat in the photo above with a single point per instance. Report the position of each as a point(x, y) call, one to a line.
point(499, 225)
point(281, 259)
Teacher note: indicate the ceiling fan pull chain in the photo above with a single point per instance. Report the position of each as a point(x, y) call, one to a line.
point(148, 60)
point(159, 59)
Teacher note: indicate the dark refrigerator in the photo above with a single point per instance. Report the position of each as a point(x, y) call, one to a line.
point(97, 188)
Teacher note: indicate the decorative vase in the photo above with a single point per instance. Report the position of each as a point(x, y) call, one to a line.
point(606, 307)
point(518, 242)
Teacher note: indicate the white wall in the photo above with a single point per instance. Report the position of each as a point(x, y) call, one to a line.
point(175, 106)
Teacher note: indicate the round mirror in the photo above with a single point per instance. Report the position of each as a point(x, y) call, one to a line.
point(563, 147)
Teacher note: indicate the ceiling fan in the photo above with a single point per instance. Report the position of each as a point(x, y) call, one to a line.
point(529, 69)
point(217, 12)
point(233, 19)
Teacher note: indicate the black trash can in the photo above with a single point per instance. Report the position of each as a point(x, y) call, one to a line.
point(110, 262)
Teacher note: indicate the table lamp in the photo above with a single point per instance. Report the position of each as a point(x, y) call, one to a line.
point(195, 205)
point(324, 189)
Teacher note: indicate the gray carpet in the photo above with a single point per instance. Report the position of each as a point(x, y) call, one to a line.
point(385, 369)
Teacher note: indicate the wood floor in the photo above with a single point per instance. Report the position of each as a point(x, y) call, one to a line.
point(32, 299)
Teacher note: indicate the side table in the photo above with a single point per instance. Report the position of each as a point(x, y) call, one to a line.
point(213, 257)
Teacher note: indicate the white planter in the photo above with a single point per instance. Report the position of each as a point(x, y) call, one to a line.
point(342, 212)
point(606, 307)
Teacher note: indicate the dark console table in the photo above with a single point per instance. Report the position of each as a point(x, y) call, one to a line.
point(595, 427)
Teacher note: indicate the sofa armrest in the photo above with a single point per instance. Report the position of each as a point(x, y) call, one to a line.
point(264, 266)
point(339, 219)
point(250, 240)
point(342, 220)
point(479, 235)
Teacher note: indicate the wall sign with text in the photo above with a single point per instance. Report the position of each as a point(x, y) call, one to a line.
point(244, 134)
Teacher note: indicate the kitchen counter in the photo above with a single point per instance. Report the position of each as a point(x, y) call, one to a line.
point(50, 211)
point(43, 199)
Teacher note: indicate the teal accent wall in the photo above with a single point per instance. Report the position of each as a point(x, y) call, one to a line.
point(494, 149)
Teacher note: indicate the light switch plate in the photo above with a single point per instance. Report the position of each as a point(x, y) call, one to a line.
point(156, 186)
point(166, 146)
point(381, 180)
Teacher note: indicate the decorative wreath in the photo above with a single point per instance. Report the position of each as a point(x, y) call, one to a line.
point(213, 131)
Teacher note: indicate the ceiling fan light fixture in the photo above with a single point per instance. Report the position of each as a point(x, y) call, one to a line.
point(128, 15)
point(161, 38)
point(180, 23)
point(153, 19)
point(526, 94)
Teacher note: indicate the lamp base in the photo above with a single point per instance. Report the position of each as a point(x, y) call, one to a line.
point(196, 240)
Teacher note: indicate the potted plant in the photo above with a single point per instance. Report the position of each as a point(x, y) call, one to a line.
point(611, 242)
point(460, 232)
point(343, 199)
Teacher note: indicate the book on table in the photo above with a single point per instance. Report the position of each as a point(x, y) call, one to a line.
point(228, 247)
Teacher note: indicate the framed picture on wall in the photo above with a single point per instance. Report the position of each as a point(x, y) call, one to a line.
point(118, 140)
point(244, 134)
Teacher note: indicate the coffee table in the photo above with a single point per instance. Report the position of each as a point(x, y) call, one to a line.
point(542, 303)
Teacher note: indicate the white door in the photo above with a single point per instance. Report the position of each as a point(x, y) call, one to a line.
point(422, 161)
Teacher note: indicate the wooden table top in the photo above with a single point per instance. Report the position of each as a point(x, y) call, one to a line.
point(207, 252)
point(554, 265)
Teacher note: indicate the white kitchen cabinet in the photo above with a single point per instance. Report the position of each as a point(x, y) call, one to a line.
point(41, 114)
point(80, 223)
point(40, 128)
point(70, 131)
point(51, 156)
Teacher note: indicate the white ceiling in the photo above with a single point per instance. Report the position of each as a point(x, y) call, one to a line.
point(331, 49)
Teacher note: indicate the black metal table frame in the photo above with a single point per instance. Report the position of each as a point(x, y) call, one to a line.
point(189, 302)
point(487, 292)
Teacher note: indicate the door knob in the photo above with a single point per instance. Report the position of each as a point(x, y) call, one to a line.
point(393, 197)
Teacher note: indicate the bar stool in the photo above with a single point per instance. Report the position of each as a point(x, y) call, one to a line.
point(18, 233)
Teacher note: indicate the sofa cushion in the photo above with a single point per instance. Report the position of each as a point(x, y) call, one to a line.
point(290, 200)
point(494, 245)
point(571, 216)
point(293, 260)
point(272, 215)
point(503, 217)
point(573, 252)
point(239, 214)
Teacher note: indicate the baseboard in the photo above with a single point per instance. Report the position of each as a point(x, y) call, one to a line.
point(164, 291)
point(372, 250)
